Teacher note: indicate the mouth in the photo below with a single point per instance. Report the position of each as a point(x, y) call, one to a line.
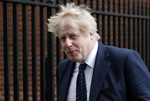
point(70, 52)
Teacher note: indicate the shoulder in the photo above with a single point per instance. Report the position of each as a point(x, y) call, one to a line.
point(65, 64)
point(120, 55)
point(117, 50)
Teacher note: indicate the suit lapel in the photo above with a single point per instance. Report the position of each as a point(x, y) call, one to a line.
point(66, 81)
point(100, 70)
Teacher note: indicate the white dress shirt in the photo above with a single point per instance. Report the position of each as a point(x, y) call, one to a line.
point(90, 61)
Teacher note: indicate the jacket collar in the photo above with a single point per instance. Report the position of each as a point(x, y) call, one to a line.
point(100, 70)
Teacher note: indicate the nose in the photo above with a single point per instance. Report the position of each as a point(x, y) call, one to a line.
point(68, 42)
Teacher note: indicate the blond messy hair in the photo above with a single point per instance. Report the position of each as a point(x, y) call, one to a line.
point(76, 16)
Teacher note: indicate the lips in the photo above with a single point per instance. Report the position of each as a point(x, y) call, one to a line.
point(70, 52)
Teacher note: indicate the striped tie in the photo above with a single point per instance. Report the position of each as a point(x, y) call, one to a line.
point(81, 92)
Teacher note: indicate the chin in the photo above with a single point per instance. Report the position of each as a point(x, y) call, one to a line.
point(75, 59)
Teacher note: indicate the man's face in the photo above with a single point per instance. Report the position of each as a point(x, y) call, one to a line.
point(76, 44)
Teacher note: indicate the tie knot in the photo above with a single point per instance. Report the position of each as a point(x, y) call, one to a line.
point(82, 67)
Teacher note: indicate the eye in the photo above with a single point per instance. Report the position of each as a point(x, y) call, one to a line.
point(62, 39)
point(73, 36)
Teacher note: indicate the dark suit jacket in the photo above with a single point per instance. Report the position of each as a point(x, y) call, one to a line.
point(119, 75)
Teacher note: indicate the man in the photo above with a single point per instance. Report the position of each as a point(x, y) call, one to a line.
point(111, 74)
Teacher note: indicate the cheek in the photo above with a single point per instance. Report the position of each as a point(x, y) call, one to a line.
point(86, 47)
point(63, 46)
point(83, 49)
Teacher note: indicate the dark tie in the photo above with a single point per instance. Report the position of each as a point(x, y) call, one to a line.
point(81, 92)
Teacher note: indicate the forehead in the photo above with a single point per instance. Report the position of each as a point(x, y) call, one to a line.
point(68, 28)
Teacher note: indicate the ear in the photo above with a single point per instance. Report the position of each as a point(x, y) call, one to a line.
point(91, 36)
